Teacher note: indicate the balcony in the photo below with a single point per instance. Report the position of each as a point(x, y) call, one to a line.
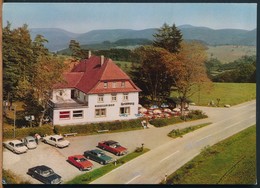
point(66, 104)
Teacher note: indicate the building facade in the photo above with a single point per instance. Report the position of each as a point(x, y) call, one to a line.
point(96, 90)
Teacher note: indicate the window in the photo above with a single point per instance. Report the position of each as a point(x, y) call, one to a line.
point(100, 112)
point(105, 84)
point(113, 97)
point(125, 110)
point(65, 115)
point(78, 114)
point(100, 98)
point(125, 96)
point(123, 84)
point(60, 92)
point(114, 85)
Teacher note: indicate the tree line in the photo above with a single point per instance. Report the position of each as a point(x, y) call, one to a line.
point(29, 70)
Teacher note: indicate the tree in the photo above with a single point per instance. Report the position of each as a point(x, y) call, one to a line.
point(48, 72)
point(18, 57)
point(188, 70)
point(169, 38)
point(151, 74)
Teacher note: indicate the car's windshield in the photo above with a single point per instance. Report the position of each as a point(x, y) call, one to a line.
point(82, 159)
point(47, 172)
point(31, 140)
point(19, 145)
point(60, 139)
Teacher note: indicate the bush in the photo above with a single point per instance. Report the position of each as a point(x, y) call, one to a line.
point(23, 132)
point(94, 127)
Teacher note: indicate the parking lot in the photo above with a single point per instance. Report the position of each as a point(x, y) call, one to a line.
point(55, 158)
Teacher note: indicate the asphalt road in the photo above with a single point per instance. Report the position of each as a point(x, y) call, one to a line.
point(166, 154)
point(152, 167)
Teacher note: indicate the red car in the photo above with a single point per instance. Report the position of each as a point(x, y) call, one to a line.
point(80, 162)
point(113, 147)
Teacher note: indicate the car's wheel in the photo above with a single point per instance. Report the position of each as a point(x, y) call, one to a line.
point(102, 162)
point(87, 157)
point(56, 145)
point(81, 169)
point(32, 176)
point(117, 154)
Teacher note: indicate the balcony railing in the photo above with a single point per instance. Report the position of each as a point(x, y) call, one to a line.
point(72, 103)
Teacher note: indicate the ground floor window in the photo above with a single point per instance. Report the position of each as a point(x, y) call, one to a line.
point(64, 115)
point(100, 112)
point(125, 110)
point(78, 114)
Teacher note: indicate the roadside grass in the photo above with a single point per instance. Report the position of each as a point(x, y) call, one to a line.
point(231, 161)
point(97, 173)
point(180, 132)
point(228, 93)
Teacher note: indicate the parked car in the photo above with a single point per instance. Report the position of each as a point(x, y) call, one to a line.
point(98, 156)
point(56, 140)
point(44, 174)
point(16, 146)
point(80, 162)
point(29, 142)
point(113, 147)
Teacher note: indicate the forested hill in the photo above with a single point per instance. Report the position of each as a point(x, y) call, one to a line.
point(59, 39)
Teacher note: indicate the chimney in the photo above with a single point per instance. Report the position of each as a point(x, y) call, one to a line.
point(102, 58)
point(89, 54)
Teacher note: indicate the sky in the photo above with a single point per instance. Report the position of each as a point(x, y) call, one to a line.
point(84, 17)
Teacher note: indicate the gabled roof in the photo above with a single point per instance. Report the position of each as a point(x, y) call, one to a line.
point(89, 72)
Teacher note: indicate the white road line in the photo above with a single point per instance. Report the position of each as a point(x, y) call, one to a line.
point(232, 125)
point(133, 179)
point(169, 156)
point(204, 138)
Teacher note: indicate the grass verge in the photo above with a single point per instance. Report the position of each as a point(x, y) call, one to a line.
point(95, 174)
point(231, 161)
point(180, 132)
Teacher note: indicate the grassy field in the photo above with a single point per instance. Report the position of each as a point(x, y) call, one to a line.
point(229, 53)
point(232, 161)
point(124, 65)
point(228, 93)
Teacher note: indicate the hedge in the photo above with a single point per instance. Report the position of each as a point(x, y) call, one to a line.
point(94, 127)
point(192, 115)
point(23, 132)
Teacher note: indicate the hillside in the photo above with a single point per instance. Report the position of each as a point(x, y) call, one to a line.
point(59, 39)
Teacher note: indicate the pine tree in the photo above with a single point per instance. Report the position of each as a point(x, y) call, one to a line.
point(169, 38)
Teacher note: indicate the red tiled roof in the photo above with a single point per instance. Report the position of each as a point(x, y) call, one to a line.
point(88, 73)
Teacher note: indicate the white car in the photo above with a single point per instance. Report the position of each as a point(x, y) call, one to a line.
point(16, 146)
point(56, 140)
point(29, 142)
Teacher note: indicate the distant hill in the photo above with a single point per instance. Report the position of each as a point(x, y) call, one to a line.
point(59, 39)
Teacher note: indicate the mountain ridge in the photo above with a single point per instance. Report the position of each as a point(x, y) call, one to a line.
point(60, 38)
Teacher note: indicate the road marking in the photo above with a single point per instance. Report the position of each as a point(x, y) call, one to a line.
point(133, 179)
point(204, 138)
point(232, 125)
point(169, 156)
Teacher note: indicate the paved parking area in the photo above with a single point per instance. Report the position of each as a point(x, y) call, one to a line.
point(56, 158)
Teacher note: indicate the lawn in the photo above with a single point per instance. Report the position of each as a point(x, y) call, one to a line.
point(228, 93)
point(231, 161)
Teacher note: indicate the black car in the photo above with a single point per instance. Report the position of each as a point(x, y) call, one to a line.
point(44, 174)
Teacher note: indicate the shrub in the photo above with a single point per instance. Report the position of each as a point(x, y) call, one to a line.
point(94, 127)
point(23, 132)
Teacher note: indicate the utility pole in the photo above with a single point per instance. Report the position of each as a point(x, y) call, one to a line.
point(14, 109)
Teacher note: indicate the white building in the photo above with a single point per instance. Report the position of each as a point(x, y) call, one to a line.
point(96, 90)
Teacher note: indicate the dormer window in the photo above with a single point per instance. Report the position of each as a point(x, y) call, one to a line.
point(114, 85)
point(123, 84)
point(105, 84)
